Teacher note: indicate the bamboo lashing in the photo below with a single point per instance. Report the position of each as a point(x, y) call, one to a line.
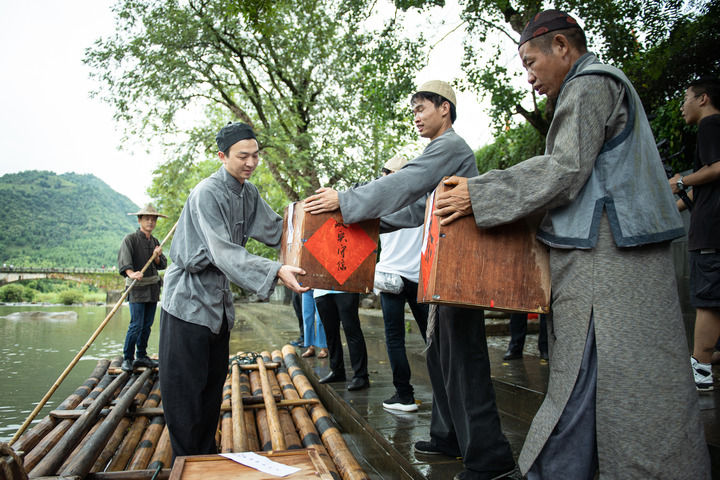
point(239, 432)
point(85, 347)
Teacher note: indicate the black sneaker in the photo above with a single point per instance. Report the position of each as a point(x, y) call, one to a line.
point(146, 362)
point(427, 448)
point(127, 365)
point(403, 404)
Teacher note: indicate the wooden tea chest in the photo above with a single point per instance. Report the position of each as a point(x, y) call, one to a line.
point(499, 268)
point(335, 255)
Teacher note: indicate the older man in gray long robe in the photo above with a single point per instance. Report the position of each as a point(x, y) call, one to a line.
point(620, 398)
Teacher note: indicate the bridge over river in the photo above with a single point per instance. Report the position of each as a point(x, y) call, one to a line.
point(105, 278)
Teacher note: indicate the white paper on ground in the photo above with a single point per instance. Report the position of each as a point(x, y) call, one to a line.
point(259, 462)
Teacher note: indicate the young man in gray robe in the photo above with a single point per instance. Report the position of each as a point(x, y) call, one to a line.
point(208, 251)
point(621, 399)
point(464, 420)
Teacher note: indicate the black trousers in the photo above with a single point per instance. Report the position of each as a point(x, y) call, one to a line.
point(194, 366)
point(464, 418)
point(337, 308)
point(518, 332)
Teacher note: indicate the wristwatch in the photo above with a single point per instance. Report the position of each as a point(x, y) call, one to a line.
point(680, 184)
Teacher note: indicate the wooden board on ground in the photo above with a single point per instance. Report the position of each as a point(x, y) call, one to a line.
point(335, 255)
point(215, 467)
point(501, 268)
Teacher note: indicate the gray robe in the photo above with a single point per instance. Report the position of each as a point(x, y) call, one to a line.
point(648, 423)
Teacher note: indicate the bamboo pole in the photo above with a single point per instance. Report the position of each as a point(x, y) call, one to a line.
point(239, 432)
point(111, 445)
point(292, 440)
point(346, 463)
point(250, 420)
point(49, 441)
point(226, 420)
point(162, 457)
point(54, 458)
point(80, 445)
point(276, 433)
point(137, 427)
point(301, 417)
point(85, 347)
point(82, 462)
point(31, 438)
point(147, 444)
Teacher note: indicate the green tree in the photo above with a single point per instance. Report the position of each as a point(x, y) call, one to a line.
point(325, 94)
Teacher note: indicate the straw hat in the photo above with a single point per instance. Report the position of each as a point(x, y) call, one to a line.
point(149, 209)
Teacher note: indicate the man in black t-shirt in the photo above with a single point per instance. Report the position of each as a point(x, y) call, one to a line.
point(702, 108)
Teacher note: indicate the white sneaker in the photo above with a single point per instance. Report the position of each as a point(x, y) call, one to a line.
point(401, 404)
point(703, 375)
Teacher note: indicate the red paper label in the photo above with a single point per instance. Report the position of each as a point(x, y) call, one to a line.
point(428, 254)
point(340, 248)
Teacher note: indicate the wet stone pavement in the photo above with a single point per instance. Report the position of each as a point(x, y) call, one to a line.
point(382, 440)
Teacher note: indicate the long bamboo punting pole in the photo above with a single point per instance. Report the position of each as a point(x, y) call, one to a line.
point(239, 432)
point(55, 457)
point(31, 438)
point(346, 463)
point(82, 462)
point(137, 427)
point(85, 347)
point(163, 452)
point(49, 441)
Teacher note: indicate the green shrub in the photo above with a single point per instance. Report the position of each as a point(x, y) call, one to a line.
point(510, 147)
point(68, 297)
point(16, 293)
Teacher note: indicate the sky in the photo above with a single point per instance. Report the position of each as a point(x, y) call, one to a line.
point(48, 121)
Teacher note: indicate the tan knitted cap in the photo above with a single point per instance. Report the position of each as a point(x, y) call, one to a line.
point(441, 88)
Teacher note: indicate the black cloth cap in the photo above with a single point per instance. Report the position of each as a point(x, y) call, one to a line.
point(232, 133)
point(546, 21)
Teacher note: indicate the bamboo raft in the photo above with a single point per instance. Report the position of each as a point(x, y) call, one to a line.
point(112, 428)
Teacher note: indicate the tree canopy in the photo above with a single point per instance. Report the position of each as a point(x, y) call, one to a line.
point(325, 93)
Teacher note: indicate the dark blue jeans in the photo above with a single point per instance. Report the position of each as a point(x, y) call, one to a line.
point(142, 316)
point(393, 308)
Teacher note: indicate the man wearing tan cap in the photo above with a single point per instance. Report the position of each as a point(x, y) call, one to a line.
point(464, 421)
point(135, 251)
point(620, 401)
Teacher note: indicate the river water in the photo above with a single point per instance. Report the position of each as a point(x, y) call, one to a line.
point(36, 345)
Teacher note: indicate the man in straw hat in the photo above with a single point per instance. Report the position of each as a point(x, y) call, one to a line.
point(464, 420)
point(208, 252)
point(135, 250)
point(610, 217)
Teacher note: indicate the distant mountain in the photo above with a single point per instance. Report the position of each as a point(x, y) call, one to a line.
point(68, 220)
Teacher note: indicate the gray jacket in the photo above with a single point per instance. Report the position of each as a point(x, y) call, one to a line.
point(208, 251)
